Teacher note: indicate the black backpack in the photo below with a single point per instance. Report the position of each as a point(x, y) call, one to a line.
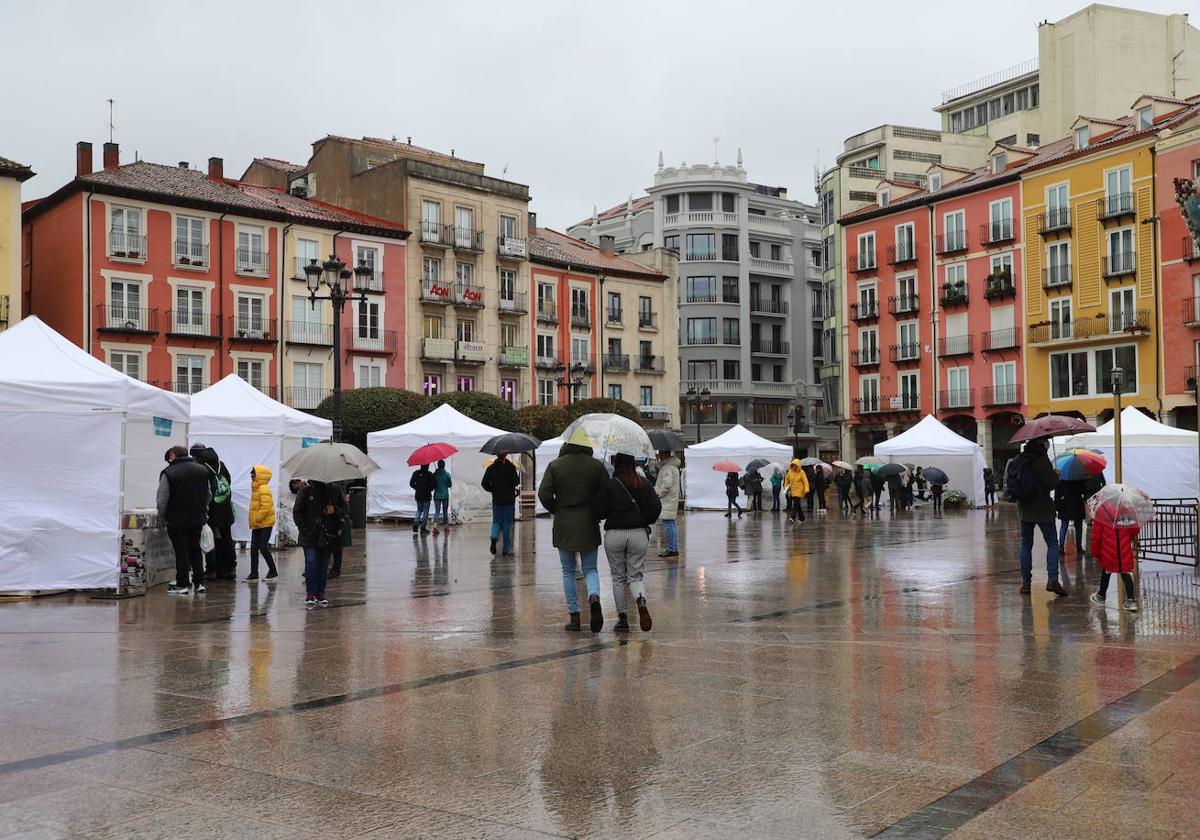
point(1018, 480)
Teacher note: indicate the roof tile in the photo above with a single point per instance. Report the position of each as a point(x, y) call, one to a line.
point(560, 249)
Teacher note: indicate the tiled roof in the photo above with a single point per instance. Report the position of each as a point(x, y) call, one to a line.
point(12, 169)
point(950, 168)
point(1103, 121)
point(640, 203)
point(550, 246)
point(1170, 100)
point(396, 146)
point(906, 185)
point(317, 211)
point(1012, 147)
point(1127, 132)
point(279, 165)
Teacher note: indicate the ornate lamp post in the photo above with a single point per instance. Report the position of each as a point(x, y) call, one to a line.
point(698, 398)
point(334, 275)
point(1118, 385)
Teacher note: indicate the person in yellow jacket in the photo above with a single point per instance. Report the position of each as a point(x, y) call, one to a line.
point(262, 521)
point(795, 485)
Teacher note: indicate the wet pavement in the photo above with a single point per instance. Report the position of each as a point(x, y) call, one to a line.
point(832, 679)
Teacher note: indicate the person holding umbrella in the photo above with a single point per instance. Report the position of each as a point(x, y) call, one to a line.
point(752, 482)
point(629, 506)
point(732, 488)
point(423, 485)
point(502, 481)
point(938, 480)
point(1068, 506)
point(1117, 513)
point(1032, 479)
point(441, 496)
point(776, 485)
point(842, 481)
point(319, 515)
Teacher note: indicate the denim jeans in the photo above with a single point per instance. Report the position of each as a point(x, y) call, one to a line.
point(441, 511)
point(502, 525)
point(1063, 524)
point(672, 532)
point(774, 498)
point(316, 569)
point(260, 543)
point(1047, 529)
point(590, 575)
point(422, 515)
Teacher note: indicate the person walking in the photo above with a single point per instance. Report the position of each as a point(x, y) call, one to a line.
point(753, 483)
point(262, 521)
point(989, 486)
point(441, 496)
point(895, 499)
point(502, 481)
point(1031, 482)
point(1068, 507)
point(732, 488)
point(319, 514)
point(183, 496)
point(820, 484)
point(422, 485)
point(1112, 546)
point(221, 562)
point(572, 482)
point(842, 481)
point(795, 484)
point(920, 483)
point(629, 506)
point(877, 485)
point(776, 486)
point(935, 493)
point(667, 486)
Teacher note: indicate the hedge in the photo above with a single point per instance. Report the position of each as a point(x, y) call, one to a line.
point(374, 409)
point(489, 409)
point(603, 405)
point(542, 421)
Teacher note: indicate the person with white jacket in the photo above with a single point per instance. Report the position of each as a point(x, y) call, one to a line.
point(667, 486)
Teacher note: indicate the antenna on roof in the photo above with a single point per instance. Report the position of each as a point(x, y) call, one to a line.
point(393, 138)
point(408, 139)
point(504, 171)
point(716, 153)
point(110, 121)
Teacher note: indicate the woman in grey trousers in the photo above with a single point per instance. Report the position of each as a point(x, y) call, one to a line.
point(629, 506)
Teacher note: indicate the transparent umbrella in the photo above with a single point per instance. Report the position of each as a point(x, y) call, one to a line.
point(1120, 505)
point(609, 434)
point(869, 461)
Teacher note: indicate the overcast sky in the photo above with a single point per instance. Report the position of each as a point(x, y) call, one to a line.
point(576, 99)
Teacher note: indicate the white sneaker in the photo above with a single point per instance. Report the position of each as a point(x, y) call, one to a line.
point(200, 590)
point(1096, 599)
point(310, 603)
point(176, 589)
point(322, 602)
point(1131, 605)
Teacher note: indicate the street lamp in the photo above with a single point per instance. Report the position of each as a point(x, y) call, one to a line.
point(334, 275)
point(698, 398)
point(1118, 385)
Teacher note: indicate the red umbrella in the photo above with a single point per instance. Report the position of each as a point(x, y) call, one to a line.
point(429, 453)
point(727, 467)
point(1052, 425)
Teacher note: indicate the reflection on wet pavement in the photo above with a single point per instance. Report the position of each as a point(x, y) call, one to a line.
point(833, 679)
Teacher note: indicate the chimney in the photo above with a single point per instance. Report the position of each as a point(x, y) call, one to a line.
point(608, 245)
point(216, 169)
point(112, 155)
point(83, 158)
point(532, 222)
point(183, 164)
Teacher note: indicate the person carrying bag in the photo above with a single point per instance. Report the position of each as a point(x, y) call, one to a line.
point(629, 506)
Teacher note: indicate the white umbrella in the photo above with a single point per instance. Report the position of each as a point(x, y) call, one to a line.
point(766, 470)
point(327, 462)
point(609, 434)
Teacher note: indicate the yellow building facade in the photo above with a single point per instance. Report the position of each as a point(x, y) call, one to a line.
point(1090, 296)
point(12, 175)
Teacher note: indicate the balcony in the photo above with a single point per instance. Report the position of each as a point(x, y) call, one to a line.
point(435, 291)
point(995, 233)
point(689, 387)
point(468, 296)
point(1002, 395)
point(700, 217)
point(865, 405)
point(618, 362)
point(126, 246)
point(614, 317)
point(373, 342)
point(583, 366)
point(513, 357)
point(312, 334)
point(647, 320)
point(515, 303)
point(127, 319)
point(867, 310)
point(651, 364)
point(999, 285)
point(250, 261)
point(769, 224)
point(549, 363)
point(955, 345)
point(999, 340)
point(817, 311)
point(1130, 322)
point(437, 349)
point(903, 304)
point(511, 248)
point(861, 263)
point(191, 255)
point(701, 340)
point(188, 324)
point(436, 234)
point(1191, 312)
point(1190, 249)
point(951, 243)
point(762, 265)
point(701, 297)
point(374, 283)
point(953, 294)
point(767, 347)
point(250, 328)
point(1054, 221)
point(1115, 206)
point(470, 352)
point(305, 399)
point(902, 254)
point(186, 387)
point(778, 308)
point(580, 317)
point(905, 353)
point(1119, 265)
point(866, 357)
point(957, 398)
point(547, 311)
point(1056, 277)
point(1135, 323)
point(468, 239)
point(3, 311)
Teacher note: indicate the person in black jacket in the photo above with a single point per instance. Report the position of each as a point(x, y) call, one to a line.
point(221, 562)
point(1037, 513)
point(501, 480)
point(183, 496)
point(733, 486)
point(1068, 505)
point(629, 506)
point(423, 485)
point(319, 512)
point(842, 480)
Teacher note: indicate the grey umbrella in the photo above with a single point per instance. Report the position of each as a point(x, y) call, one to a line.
point(327, 462)
point(664, 440)
point(757, 464)
point(888, 470)
point(511, 442)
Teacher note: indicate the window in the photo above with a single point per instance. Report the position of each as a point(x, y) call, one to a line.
point(614, 392)
point(306, 252)
point(432, 326)
point(466, 383)
point(508, 335)
point(700, 201)
point(464, 330)
point(189, 311)
point(1120, 251)
point(729, 289)
point(1058, 264)
point(1001, 217)
point(701, 330)
point(1001, 265)
point(1060, 318)
point(910, 340)
point(646, 395)
point(731, 369)
point(703, 371)
point(756, 372)
point(431, 383)
point(369, 257)
point(959, 382)
point(755, 249)
point(189, 374)
point(673, 203)
point(906, 293)
point(866, 250)
point(728, 202)
point(885, 198)
point(935, 181)
point(508, 391)
point(671, 242)
point(1033, 140)
point(251, 316)
point(1082, 135)
point(431, 269)
point(955, 225)
point(581, 351)
point(646, 353)
point(579, 306)
point(767, 414)
point(614, 307)
point(508, 227)
point(999, 161)
point(868, 303)
point(777, 253)
point(546, 392)
point(465, 274)
point(545, 298)
point(251, 250)
point(464, 227)
point(956, 280)
point(645, 313)
point(1004, 383)
point(508, 285)
point(545, 346)
point(1145, 117)
point(431, 221)
point(910, 399)
point(1058, 207)
point(906, 248)
point(729, 247)
point(367, 325)
point(251, 372)
point(701, 289)
point(868, 346)
point(731, 331)
point(368, 375)
point(125, 237)
point(701, 246)
point(125, 305)
point(126, 362)
point(307, 384)
point(1118, 190)
point(307, 322)
point(1122, 312)
point(1069, 371)
point(814, 257)
point(869, 392)
point(614, 347)
point(189, 241)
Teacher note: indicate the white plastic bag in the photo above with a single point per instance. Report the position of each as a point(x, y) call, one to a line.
point(207, 542)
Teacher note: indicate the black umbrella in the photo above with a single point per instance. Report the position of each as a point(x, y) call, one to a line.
point(756, 464)
point(511, 442)
point(664, 440)
point(935, 476)
point(888, 470)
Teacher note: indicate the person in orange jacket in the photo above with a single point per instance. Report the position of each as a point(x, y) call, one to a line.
point(262, 521)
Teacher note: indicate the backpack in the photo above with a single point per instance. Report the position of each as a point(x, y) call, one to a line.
point(1018, 480)
point(220, 488)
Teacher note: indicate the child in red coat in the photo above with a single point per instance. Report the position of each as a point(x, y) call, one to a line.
point(1112, 546)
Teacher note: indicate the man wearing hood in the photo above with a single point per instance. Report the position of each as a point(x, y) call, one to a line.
point(795, 485)
point(221, 562)
point(571, 484)
point(667, 487)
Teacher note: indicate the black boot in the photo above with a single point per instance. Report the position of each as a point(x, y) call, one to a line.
point(644, 616)
point(573, 625)
point(597, 623)
point(1056, 587)
point(622, 624)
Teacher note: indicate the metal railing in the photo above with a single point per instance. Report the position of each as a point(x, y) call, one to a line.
point(436, 233)
point(907, 352)
point(189, 254)
point(760, 306)
point(511, 247)
point(1054, 220)
point(580, 317)
point(769, 347)
point(184, 387)
point(701, 297)
point(1119, 264)
point(468, 239)
point(651, 364)
point(1129, 320)
point(374, 341)
point(699, 340)
point(1000, 339)
point(307, 332)
point(133, 319)
point(547, 311)
point(251, 260)
point(647, 320)
point(1114, 206)
point(1191, 311)
point(900, 254)
point(956, 345)
point(194, 324)
point(616, 361)
point(468, 295)
point(1002, 394)
point(613, 316)
point(996, 232)
point(997, 78)
point(951, 243)
point(1170, 537)
point(954, 294)
point(375, 281)
point(865, 405)
point(1190, 249)
point(864, 357)
point(863, 262)
point(512, 356)
point(903, 304)
point(126, 246)
point(515, 303)
point(252, 328)
point(436, 291)
point(864, 310)
point(305, 398)
point(999, 285)
point(958, 398)
point(1056, 277)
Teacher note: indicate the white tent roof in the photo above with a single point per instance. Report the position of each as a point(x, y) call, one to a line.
point(929, 436)
point(235, 407)
point(1136, 430)
point(739, 439)
point(39, 368)
point(444, 423)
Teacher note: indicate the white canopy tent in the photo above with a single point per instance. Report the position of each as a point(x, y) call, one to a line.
point(706, 487)
point(1156, 458)
point(246, 427)
point(80, 443)
point(388, 493)
point(932, 444)
point(543, 455)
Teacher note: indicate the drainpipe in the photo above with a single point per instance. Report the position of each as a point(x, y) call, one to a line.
point(1156, 279)
point(87, 286)
point(283, 278)
point(601, 312)
point(933, 302)
point(221, 294)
